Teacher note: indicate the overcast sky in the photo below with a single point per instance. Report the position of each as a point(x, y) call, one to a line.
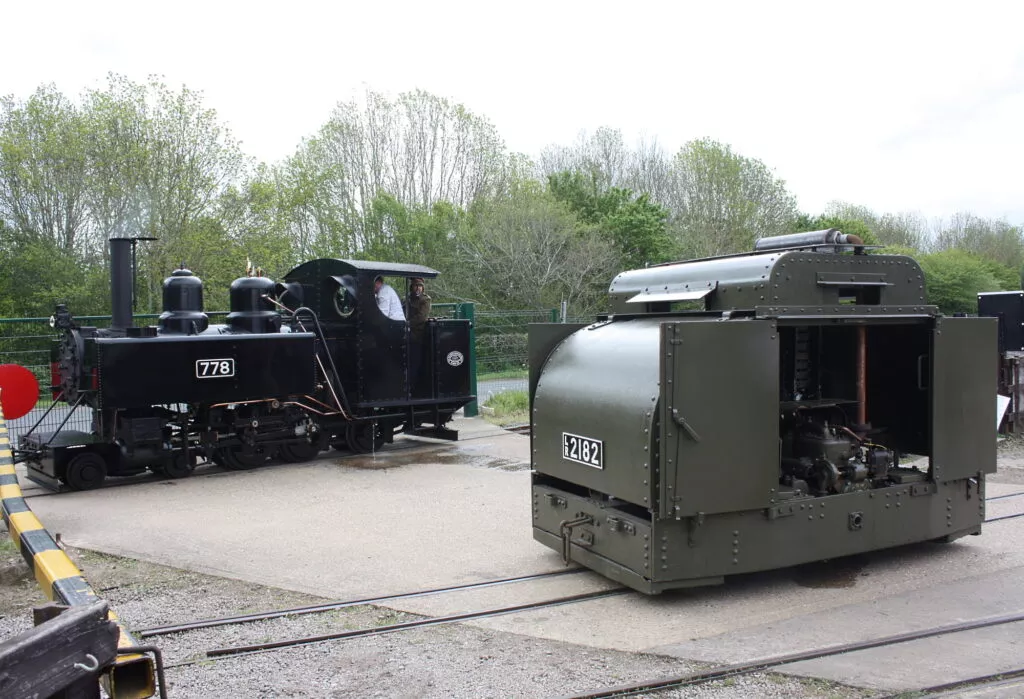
point(898, 106)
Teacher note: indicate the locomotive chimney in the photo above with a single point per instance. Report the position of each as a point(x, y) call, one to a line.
point(121, 282)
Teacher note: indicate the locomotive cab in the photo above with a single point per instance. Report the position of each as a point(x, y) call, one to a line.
point(415, 384)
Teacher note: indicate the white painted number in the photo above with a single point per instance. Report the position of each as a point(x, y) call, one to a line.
point(214, 368)
point(583, 450)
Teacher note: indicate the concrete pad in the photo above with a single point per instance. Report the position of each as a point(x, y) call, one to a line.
point(385, 523)
point(403, 520)
point(922, 663)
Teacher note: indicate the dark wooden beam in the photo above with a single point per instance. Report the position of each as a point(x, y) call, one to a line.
point(52, 657)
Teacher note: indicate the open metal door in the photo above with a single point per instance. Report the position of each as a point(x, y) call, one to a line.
point(964, 378)
point(719, 416)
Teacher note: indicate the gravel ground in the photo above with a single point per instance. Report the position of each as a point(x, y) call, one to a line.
point(446, 661)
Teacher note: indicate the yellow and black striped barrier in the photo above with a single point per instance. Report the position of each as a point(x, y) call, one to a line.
point(131, 677)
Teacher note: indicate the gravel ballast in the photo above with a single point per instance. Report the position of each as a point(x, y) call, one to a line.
point(452, 660)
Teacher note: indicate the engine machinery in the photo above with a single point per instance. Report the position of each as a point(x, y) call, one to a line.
point(761, 410)
point(300, 366)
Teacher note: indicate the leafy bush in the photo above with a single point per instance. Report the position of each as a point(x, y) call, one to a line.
point(953, 279)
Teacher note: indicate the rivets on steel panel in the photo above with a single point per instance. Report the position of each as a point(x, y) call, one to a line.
point(810, 516)
point(735, 551)
point(735, 561)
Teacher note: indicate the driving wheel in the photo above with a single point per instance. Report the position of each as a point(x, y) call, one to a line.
point(242, 458)
point(86, 471)
point(299, 451)
point(177, 466)
point(364, 438)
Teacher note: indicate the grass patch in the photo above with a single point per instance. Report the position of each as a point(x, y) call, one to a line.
point(508, 374)
point(509, 407)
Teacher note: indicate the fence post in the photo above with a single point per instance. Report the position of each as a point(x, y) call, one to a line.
point(467, 311)
point(554, 315)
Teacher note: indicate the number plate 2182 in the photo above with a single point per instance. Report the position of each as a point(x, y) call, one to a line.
point(583, 450)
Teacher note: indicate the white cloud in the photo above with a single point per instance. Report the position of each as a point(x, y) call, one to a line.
point(895, 105)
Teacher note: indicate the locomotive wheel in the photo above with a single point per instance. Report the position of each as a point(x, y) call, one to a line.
point(86, 471)
point(297, 452)
point(178, 466)
point(237, 459)
point(364, 438)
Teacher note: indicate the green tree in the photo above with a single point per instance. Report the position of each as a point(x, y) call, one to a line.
point(636, 225)
point(953, 279)
point(528, 250)
point(721, 201)
point(43, 168)
point(850, 226)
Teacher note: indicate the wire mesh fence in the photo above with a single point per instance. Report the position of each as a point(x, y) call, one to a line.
point(28, 342)
point(500, 349)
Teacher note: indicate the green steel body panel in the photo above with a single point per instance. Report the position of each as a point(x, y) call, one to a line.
point(544, 337)
point(601, 383)
point(964, 375)
point(712, 369)
point(793, 278)
point(653, 556)
point(766, 430)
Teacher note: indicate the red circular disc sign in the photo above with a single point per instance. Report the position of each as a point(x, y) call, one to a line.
point(19, 391)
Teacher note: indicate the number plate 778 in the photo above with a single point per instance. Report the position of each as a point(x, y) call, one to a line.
point(215, 368)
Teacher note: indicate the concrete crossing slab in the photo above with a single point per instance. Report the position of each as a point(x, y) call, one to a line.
point(403, 520)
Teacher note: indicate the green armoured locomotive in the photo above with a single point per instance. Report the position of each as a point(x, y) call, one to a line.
point(761, 410)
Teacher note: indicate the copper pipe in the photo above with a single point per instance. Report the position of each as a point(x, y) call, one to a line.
point(862, 375)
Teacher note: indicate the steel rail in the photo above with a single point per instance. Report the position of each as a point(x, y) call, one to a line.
point(1008, 495)
point(328, 606)
point(419, 623)
point(996, 519)
point(955, 689)
point(751, 667)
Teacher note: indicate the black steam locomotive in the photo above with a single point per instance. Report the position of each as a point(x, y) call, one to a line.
point(301, 365)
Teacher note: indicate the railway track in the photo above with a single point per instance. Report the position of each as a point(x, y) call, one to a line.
point(654, 685)
point(270, 646)
point(748, 668)
point(328, 606)
point(1009, 680)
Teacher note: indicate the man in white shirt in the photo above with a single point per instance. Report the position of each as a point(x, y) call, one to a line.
point(387, 299)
